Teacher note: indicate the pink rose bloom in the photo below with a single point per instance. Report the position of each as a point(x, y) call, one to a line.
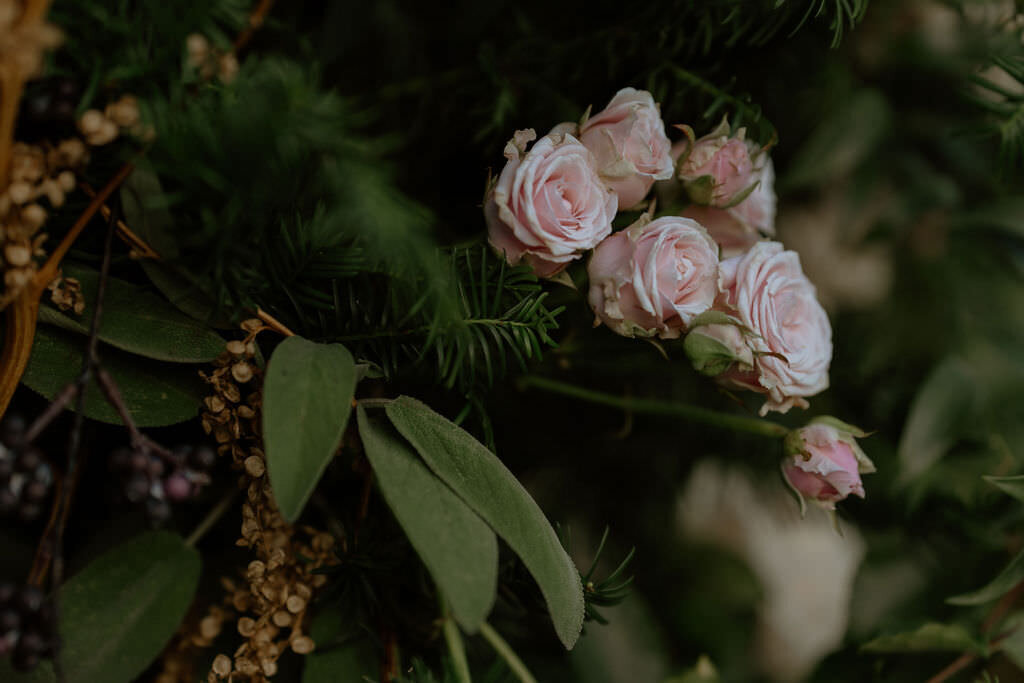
point(549, 204)
point(717, 168)
point(737, 229)
point(788, 330)
point(652, 280)
point(628, 139)
point(824, 463)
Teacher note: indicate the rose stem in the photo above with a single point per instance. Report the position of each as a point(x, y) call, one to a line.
point(691, 413)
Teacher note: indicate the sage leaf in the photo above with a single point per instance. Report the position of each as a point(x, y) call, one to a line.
point(1011, 575)
point(118, 613)
point(931, 637)
point(156, 394)
point(457, 547)
point(307, 398)
point(493, 492)
point(941, 405)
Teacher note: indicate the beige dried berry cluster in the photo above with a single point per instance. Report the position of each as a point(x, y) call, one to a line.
point(269, 606)
point(210, 61)
point(22, 43)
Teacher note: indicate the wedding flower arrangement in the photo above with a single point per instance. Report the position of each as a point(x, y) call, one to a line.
point(284, 396)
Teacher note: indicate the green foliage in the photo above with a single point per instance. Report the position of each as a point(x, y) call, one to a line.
point(307, 399)
point(137, 321)
point(927, 638)
point(494, 493)
point(458, 548)
point(155, 393)
point(999, 586)
point(119, 612)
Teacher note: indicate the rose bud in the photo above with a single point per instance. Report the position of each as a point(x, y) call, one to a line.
point(789, 332)
point(549, 204)
point(628, 139)
point(717, 347)
point(737, 229)
point(824, 462)
point(654, 278)
point(717, 169)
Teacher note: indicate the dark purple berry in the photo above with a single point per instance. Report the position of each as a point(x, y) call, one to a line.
point(29, 459)
point(29, 512)
point(62, 111)
point(138, 461)
point(203, 458)
point(7, 591)
point(29, 599)
point(35, 491)
point(155, 467)
point(10, 620)
point(8, 501)
point(120, 459)
point(32, 641)
point(158, 510)
point(177, 487)
point(12, 428)
point(6, 465)
point(66, 88)
point(137, 488)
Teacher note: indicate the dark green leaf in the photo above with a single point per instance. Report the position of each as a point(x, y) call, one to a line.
point(118, 613)
point(927, 638)
point(456, 546)
point(156, 394)
point(334, 661)
point(138, 321)
point(307, 398)
point(1011, 575)
point(938, 409)
point(1013, 486)
point(496, 495)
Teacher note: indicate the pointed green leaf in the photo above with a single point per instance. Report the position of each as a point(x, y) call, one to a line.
point(496, 495)
point(457, 547)
point(1013, 486)
point(307, 398)
point(156, 394)
point(931, 637)
point(1011, 575)
point(337, 657)
point(939, 407)
point(137, 321)
point(118, 613)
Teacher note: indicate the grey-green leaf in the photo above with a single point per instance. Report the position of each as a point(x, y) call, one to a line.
point(931, 637)
point(1011, 575)
point(340, 654)
point(493, 492)
point(941, 405)
point(156, 394)
point(307, 398)
point(457, 547)
point(138, 321)
point(1012, 486)
point(118, 613)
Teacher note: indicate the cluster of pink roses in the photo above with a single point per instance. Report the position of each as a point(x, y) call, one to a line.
point(555, 201)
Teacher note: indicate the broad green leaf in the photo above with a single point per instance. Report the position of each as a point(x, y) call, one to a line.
point(1011, 575)
point(146, 212)
point(927, 638)
point(156, 394)
point(307, 398)
point(138, 321)
point(1005, 215)
point(941, 405)
point(457, 547)
point(1013, 486)
point(118, 613)
point(493, 492)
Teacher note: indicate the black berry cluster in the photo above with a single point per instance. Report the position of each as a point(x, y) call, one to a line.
point(25, 477)
point(28, 626)
point(155, 481)
point(48, 109)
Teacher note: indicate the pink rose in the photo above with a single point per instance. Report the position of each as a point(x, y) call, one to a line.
point(736, 229)
point(786, 328)
point(549, 204)
point(824, 462)
point(717, 169)
point(654, 279)
point(628, 139)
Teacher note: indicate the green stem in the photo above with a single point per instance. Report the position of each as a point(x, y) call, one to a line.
point(211, 518)
point(738, 423)
point(456, 648)
point(505, 652)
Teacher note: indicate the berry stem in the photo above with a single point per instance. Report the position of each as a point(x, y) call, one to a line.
point(691, 413)
point(211, 518)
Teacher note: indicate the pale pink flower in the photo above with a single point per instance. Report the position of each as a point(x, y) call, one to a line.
point(824, 463)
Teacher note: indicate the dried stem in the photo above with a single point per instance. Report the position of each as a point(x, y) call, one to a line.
point(134, 242)
point(256, 19)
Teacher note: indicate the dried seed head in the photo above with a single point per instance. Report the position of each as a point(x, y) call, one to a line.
point(295, 604)
point(17, 255)
point(198, 49)
point(35, 215)
point(254, 466)
point(209, 627)
point(252, 325)
point(246, 627)
point(91, 122)
point(282, 618)
point(236, 348)
point(303, 645)
point(66, 181)
point(222, 665)
point(242, 372)
point(20, 192)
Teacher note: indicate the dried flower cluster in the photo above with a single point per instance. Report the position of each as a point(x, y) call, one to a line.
point(66, 294)
point(24, 37)
point(210, 61)
point(269, 606)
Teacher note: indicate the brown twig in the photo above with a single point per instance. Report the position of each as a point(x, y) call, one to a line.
point(134, 242)
point(256, 19)
point(273, 323)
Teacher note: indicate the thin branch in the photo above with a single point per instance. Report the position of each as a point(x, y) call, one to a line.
point(211, 518)
point(692, 413)
point(507, 653)
point(256, 19)
point(134, 242)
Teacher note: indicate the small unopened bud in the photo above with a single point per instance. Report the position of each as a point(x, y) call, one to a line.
point(91, 122)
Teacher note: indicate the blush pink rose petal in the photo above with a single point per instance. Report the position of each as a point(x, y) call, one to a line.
point(791, 337)
point(628, 139)
point(654, 279)
point(549, 205)
point(718, 168)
